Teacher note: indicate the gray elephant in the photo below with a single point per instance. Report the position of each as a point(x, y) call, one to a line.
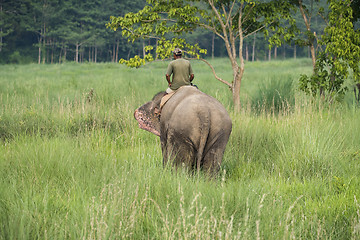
point(194, 128)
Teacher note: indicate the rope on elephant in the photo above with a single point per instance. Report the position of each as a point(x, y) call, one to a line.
point(165, 98)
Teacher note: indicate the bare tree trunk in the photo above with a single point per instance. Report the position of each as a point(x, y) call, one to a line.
point(143, 49)
point(246, 53)
point(52, 52)
point(95, 54)
point(48, 51)
point(113, 53)
point(117, 50)
point(238, 70)
point(39, 56)
point(269, 54)
point(156, 56)
point(284, 53)
point(238, 74)
point(77, 53)
point(61, 49)
point(213, 46)
point(65, 52)
point(308, 28)
point(313, 55)
point(294, 51)
point(253, 48)
point(275, 52)
point(89, 55)
point(44, 46)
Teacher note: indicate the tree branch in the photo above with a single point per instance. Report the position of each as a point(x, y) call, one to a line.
point(307, 23)
point(227, 44)
point(212, 29)
point(213, 71)
point(248, 14)
point(257, 30)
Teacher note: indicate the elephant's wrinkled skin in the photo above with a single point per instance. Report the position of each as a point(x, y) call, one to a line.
point(194, 128)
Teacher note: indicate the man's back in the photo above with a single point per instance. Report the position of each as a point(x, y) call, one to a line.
point(181, 70)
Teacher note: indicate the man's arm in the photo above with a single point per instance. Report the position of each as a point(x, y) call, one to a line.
point(168, 80)
point(191, 77)
point(191, 73)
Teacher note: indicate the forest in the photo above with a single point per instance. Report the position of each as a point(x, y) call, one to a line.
point(55, 31)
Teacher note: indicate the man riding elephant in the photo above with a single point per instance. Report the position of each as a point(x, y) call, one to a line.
point(181, 71)
point(193, 127)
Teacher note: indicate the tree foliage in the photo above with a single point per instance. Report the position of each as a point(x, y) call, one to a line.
point(339, 56)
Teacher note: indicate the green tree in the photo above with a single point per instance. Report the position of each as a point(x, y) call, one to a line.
point(231, 20)
point(37, 20)
point(80, 24)
point(112, 39)
point(339, 56)
point(5, 21)
point(355, 5)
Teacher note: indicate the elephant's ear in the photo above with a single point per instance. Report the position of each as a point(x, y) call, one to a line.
point(157, 99)
point(147, 120)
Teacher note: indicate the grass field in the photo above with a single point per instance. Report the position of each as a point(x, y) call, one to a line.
point(75, 165)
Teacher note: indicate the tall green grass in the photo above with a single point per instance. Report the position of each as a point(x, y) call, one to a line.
point(74, 164)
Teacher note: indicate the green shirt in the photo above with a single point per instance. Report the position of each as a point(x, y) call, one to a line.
point(181, 70)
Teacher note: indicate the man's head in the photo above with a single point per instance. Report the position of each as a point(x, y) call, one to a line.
point(177, 53)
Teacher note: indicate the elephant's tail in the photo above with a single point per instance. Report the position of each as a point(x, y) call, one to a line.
point(204, 134)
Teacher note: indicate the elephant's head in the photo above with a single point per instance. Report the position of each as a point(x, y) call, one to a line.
point(148, 115)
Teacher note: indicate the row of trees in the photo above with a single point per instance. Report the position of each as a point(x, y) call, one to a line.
point(49, 31)
point(56, 30)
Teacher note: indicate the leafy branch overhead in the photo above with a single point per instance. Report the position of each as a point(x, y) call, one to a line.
point(161, 20)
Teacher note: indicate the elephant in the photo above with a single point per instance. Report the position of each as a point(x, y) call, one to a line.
point(193, 127)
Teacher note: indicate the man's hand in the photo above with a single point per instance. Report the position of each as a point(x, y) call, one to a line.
point(191, 77)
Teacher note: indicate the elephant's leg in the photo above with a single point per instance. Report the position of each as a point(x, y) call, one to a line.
point(213, 156)
point(212, 161)
point(164, 151)
point(178, 151)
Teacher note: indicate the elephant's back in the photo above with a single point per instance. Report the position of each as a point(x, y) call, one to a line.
point(189, 97)
point(189, 104)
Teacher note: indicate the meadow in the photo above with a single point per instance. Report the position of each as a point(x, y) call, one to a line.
point(75, 165)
